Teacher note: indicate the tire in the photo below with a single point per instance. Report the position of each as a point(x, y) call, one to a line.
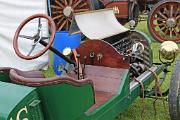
point(174, 93)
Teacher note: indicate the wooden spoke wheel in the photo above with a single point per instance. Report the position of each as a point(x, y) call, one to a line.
point(62, 11)
point(164, 21)
point(174, 93)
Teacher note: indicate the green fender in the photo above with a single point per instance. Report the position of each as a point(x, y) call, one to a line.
point(19, 102)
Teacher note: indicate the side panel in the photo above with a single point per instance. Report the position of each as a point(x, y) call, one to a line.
point(114, 106)
point(65, 101)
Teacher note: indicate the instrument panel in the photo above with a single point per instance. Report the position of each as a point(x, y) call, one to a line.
point(101, 53)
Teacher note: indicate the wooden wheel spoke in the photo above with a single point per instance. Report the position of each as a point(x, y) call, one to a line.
point(177, 11)
point(60, 21)
point(166, 11)
point(57, 17)
point(77, 3)
point(74, 1)
point(171, 11)
point(83, 5)
point(170, 33)
point(161, 24)
point(65, 1)
point(163, 28)
point(166, 31)
point(69, 19)
point(160, 19)
point(56, 7)
point(57, 2)
point(178, 26)
point(162, 15)
point(80, 10)
point(67, 25)
point(176, 33)
point(177, 17)
point(70, 2)
point(62, 25)
point(54, 12)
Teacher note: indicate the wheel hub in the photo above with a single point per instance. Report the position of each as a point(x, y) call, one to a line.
point(171, 22)
point(67, 11)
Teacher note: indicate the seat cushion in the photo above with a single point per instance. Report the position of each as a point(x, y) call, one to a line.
point(105, 79)
point(106, 82)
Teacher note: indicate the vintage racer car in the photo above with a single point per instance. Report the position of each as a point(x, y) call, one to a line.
point(103, 77)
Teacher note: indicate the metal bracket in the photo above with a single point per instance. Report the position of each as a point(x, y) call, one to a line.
point(34, 103)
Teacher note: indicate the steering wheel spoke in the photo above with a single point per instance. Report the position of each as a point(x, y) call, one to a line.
point(27, 37)
point(45, 38)
point(33, 47)
point(39, 24)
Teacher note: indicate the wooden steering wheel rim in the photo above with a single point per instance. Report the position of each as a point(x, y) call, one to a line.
point(52, 28)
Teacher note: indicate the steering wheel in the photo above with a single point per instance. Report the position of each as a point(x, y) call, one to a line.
point(36, 38)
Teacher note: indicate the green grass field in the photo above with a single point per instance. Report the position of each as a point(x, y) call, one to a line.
point(134, 111)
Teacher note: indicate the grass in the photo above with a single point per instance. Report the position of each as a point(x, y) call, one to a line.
point(134, 111)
